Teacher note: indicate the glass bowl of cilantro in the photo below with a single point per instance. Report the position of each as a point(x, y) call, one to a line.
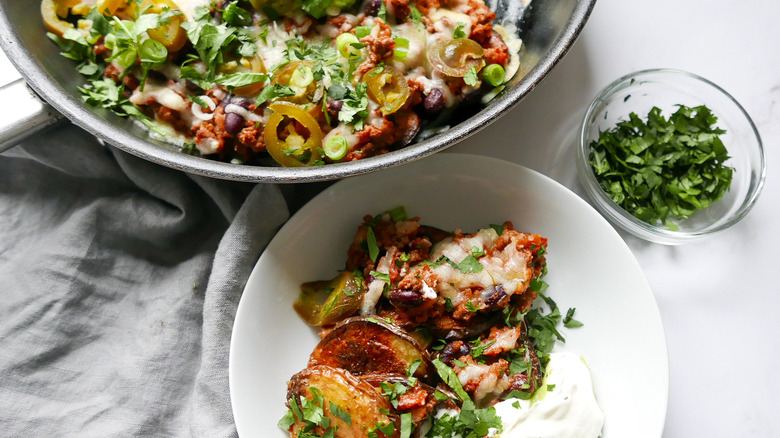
point(670, 157)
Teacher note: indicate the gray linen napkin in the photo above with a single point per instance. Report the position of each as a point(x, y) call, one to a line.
point(119, 282)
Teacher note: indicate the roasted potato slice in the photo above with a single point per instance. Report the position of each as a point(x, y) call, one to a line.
point(357, 401)
point(369, 346)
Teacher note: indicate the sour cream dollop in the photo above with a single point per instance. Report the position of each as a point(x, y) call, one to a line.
point(569, 410)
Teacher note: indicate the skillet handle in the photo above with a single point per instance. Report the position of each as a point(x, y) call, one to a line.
point(22, 114)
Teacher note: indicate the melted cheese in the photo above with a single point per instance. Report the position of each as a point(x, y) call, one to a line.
point(187, 7)
point(508, 268)
point(160, 94)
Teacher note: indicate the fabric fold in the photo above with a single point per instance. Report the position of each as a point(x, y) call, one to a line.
point(119, 281)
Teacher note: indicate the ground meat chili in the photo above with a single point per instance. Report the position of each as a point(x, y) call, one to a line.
point(434, 321)
point(363, 77)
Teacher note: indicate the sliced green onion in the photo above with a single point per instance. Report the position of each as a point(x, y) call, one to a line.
point(494, 74)
point(362, 31)
point(126, 58)
point(401, 48)
point(336, 147)
point(302, 76)
point(346, 43)
point(153, 51)
point(110, 41)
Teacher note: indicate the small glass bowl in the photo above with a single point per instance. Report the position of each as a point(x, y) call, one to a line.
point(666, 88)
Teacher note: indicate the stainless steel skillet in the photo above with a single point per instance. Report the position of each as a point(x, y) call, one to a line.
point(548, 28)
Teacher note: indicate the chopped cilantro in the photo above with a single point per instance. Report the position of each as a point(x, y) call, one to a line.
point(235, 15)
point(380, 276)
point(406, 425)
point(354, 109)
point(287, 420)
point(542, 328)
point(470, 422)
point(468, 265)
point(362, 31)
point(415, 15)
point(569, 321)
point(391, 391)
point(499, 229)
point(311, 412)
point(412, 368)
point(518, 364)
point(459, 33)
point(478, 348)
point(198, 100)
point(274, 92)
point(398, 214)
point(340, 413)
point(237, 80)
point(471, 77)
point(105, 93)
point(387, 429)
point(373, 248)
point(658, 169)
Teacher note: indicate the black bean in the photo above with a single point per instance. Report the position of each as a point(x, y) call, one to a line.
point(188, 84)
point(455, 334)
point(240, 101)
point(334, 107)
point(156, 76)
point(434, 102)
point(224, 102)
point(234, 123)
point(495, 296)
point(405, 298)
point(371, 7)
point(454, 350)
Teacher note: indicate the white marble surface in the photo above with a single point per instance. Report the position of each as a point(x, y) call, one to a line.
point(718, 299)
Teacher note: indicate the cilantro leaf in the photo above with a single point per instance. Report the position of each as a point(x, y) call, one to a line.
point(471, 77)
point(569, 321)
point(415, 14)
point(499, 229)
point(273, 92)
point(468, 265)
point(450, 379)
point(373, 248)
point(470, 422)
point(198, 100)
point(316, 8)
point(380, 276)
point(340, 413)
point(459, 33)
point(235, 15)
point(406, 425)
point(355, 106)
point(237, 80)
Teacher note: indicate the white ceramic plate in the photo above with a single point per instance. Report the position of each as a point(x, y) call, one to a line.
point(590, 268)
